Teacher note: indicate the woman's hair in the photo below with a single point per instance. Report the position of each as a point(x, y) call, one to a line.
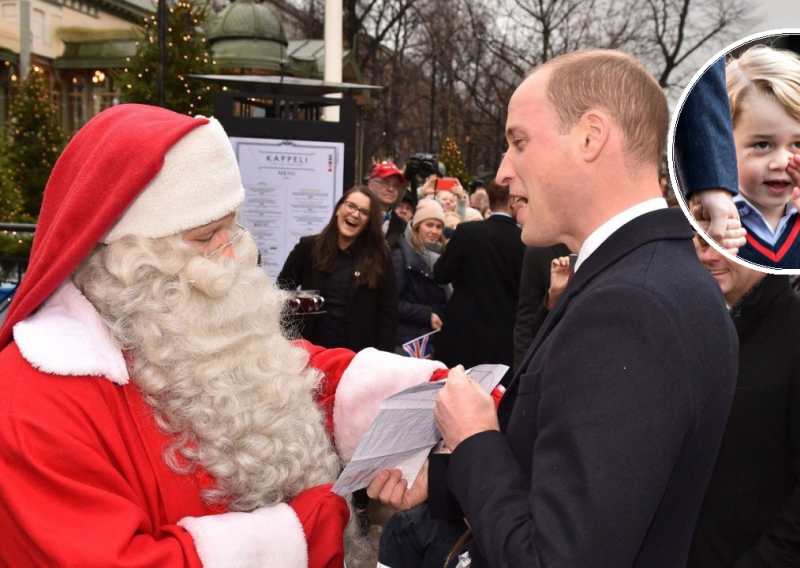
point(416, 240)
point(762, 70)
point(372, 252)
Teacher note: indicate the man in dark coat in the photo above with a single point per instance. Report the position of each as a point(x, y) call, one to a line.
point(533, 287)
point(603, 445)
point(750, 516)
point(483, 260)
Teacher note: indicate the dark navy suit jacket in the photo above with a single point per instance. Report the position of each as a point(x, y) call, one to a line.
point(705, 154)
point(611, 427)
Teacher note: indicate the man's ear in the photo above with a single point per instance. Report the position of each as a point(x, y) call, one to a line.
point(595, 129)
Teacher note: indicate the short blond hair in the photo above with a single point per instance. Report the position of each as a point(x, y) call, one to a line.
point(762, 70)
point(620, 85)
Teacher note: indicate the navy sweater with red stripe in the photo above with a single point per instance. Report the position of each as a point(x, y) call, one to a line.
point(784, 254)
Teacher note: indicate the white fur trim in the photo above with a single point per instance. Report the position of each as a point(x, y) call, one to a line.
point(371, 377)
point(270, 536)
point(68, 337)
point(199, 183)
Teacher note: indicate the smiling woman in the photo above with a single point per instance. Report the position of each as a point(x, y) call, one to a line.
point(421, 300)
point(349, 263)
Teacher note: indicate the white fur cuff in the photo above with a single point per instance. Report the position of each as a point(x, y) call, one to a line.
point(371, 377)
point(67, 337)
point(270, 536)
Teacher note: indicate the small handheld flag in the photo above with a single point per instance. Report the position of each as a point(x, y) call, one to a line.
point(420, 347)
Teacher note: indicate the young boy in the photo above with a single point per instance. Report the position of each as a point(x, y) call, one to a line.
point(764, 91)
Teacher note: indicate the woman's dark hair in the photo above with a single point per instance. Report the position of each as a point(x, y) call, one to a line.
point(373, 251)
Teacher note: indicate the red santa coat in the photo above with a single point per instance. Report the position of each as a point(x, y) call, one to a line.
point(82, 477)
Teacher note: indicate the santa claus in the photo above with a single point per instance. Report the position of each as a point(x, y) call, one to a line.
point(153, 413)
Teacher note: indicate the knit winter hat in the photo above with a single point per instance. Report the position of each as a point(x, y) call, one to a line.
point(95, 183)
point(427, 209)
point(472, 214)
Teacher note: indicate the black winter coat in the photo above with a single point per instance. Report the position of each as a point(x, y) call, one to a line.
point(419, 294)
point(610, 427)
point(751, 513)
point(483, 261)
point(371, 314)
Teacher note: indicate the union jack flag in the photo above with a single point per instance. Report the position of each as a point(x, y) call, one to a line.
point(420, 347)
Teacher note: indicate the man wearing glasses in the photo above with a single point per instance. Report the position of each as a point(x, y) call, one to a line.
point(389, 184)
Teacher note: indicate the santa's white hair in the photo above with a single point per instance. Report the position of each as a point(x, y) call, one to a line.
point(207, 351)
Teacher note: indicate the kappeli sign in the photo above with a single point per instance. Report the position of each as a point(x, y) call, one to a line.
point(286, 159)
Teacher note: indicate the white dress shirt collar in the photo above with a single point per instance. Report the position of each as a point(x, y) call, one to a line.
point(599, 236)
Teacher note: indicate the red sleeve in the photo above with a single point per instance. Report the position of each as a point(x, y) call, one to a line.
point(496, 394)
point(72, 491)
point(332, 363)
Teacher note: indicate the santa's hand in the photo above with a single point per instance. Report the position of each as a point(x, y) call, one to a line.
point(323, 515)
point(463, 408)
point(716, 213)
point(391, 489)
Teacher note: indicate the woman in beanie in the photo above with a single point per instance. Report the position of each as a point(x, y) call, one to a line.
point(349, 263)
point(421, 300)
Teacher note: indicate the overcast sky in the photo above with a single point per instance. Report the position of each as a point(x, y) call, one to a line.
point(777, 14)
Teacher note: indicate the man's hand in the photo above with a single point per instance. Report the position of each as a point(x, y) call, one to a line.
point(390, 489)
point(429, 187)
point(436, 322)
point(716, 213)
point(559, 278)
point(463, 408)
point(458, 190)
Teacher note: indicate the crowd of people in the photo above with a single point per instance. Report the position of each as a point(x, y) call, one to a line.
point(391, 270)
point(158, 408)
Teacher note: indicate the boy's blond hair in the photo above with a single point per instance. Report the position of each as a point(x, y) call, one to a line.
point(762, 70)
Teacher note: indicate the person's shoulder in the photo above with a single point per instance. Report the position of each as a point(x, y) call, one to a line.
point(667, 269)
point(307, 240)
point(29, 390)
point(306, 244)
point(502, 223)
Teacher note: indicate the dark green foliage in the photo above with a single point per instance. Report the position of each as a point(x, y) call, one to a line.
point(29, 149)
point(186, 55)
point(450, 155)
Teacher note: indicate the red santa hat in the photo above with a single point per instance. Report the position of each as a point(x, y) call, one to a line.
point(132, 170)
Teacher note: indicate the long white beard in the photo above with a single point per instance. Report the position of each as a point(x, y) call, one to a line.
point(211, 359)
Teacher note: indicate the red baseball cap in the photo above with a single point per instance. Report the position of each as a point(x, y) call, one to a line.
point(385, 170)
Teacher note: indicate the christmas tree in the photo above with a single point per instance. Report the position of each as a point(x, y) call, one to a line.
point(186, 55)
point(30, 147)
point(450, 155)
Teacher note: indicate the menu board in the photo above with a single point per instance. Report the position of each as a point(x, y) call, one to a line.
point(291, 188)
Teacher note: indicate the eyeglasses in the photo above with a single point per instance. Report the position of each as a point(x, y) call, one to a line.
point(515, 200)
point(393, 184)
point(230, 243)
point(353, 208)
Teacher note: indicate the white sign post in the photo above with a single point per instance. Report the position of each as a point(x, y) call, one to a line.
point(291, 188)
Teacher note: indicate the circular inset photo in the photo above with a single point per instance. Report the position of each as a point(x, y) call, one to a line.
point(734, 151)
